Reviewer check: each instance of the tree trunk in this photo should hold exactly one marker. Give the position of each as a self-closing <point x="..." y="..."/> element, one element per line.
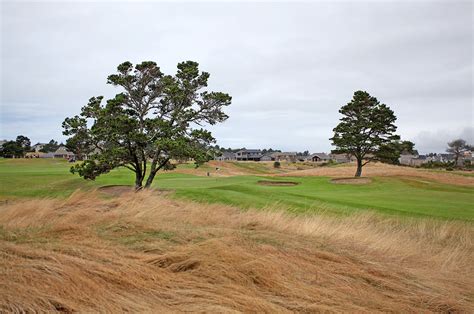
<point x="150" y="178"/>
<point x="153" y="171"/>
<point x="359" y="168"/>
<point x="138" y="181"/>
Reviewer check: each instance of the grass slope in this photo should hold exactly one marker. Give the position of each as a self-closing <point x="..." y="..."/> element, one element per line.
<point x="390" y="195"/>
<point x="144" y="252"/>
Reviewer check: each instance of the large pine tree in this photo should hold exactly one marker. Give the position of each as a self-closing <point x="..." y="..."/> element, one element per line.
<point x="366" y="126"/>
<point x="154" y="119"/>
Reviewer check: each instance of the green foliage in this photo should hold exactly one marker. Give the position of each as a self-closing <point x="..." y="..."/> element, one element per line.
<point x="11" y="149"/>
<point x="24" y="143"/>
<point x="458" y="147"/>
<point x="52" y="146"/>
<point x="390" y="152"/>
<point x="276" y="164"/>
<point x="80" y="143"/>
<point x="155" y="118"/>
<point x="438" y="165"/>
<point x="17" y="148"/>
<point x="366" y="126"/>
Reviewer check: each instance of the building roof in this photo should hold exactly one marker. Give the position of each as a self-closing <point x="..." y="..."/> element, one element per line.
<point x="249" y="151"/>
<point x="227" y="154"/>
<point x="62" y="151"/>
<point x="276" y="154"/>
<point x="320" y="155"/>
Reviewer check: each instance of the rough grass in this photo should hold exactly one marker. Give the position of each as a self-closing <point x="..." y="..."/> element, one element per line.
<point x="143" y="252"/>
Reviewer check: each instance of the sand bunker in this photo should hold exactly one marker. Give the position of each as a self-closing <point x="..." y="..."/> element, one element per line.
<point x="277" y="183"/>
<point x="116" y="190"/>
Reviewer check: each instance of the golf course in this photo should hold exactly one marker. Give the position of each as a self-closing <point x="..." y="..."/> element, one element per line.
<point x="246" y="185"/>
<point x="236" y="237"/>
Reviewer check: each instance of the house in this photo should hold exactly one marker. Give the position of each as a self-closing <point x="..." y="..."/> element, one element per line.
<point x="62" y="152"/>
<point x="467" y="157"/>
<point x="266" y="158"/>
<point x="46" y="155"/>
<point x="445" y="157"/>
<point x="284" y="156"/>
<point x="319" y="157"/>
<point x="34" y="154"/>
<point x="248" y="154"/>
<point x="38" y="146"/>
<point x="226" y="156"/>
<point x="413" y="160"/>
<point x="407" y="159"/>
<point x="341" y="158"/>
<point x="302" y="158"/>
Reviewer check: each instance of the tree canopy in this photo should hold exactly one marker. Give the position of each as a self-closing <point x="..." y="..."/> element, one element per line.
<point x="458" y="147"/>
<point x="366" y="127"/>
<point x="17" y="148"/>
<point x="390" y="152"/>
<point x="51" y="146"/>
<point x="155" y="119"/>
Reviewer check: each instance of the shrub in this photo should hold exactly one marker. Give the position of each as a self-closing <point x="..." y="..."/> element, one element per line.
<point x="438" y="165"/>
<point x="276" y="164"/>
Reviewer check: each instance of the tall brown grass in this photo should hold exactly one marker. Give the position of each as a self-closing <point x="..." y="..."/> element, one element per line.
<point x="144" y="252"/>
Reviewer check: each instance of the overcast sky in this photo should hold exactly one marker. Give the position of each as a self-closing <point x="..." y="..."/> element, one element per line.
<point x="288" y="66"/>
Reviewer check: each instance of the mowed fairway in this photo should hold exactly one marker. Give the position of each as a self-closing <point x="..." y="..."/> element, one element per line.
<point x="393" y="195"/>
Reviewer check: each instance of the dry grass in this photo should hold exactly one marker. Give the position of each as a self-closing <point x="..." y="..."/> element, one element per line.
<point x="384" y="170"/>
<point x="142" y="252"/>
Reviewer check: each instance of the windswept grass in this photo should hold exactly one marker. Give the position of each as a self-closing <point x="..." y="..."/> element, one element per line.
<point x="142" y="251"/>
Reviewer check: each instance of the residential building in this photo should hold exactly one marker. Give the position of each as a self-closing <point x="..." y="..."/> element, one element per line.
<point x="226" y="156"/>
<point x="266" y="158"/>
<point x="284" y="156"/>
<point x="318" y="157"/>
<point x="38" y="146"/>
<point x="62" y="152"/>
<point x="248" y="154"/>
<point x="413" y="160"/>
<point x="341" y="158"/>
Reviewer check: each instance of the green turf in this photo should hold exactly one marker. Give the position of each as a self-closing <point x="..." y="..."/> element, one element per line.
<point x="389" y="195"/>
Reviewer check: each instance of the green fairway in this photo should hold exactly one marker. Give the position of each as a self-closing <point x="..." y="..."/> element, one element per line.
<point x="389" y="195"/>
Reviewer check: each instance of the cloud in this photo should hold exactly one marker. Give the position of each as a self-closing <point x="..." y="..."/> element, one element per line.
<point x="288" y="66"/>
<point x="437" y="141"/>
